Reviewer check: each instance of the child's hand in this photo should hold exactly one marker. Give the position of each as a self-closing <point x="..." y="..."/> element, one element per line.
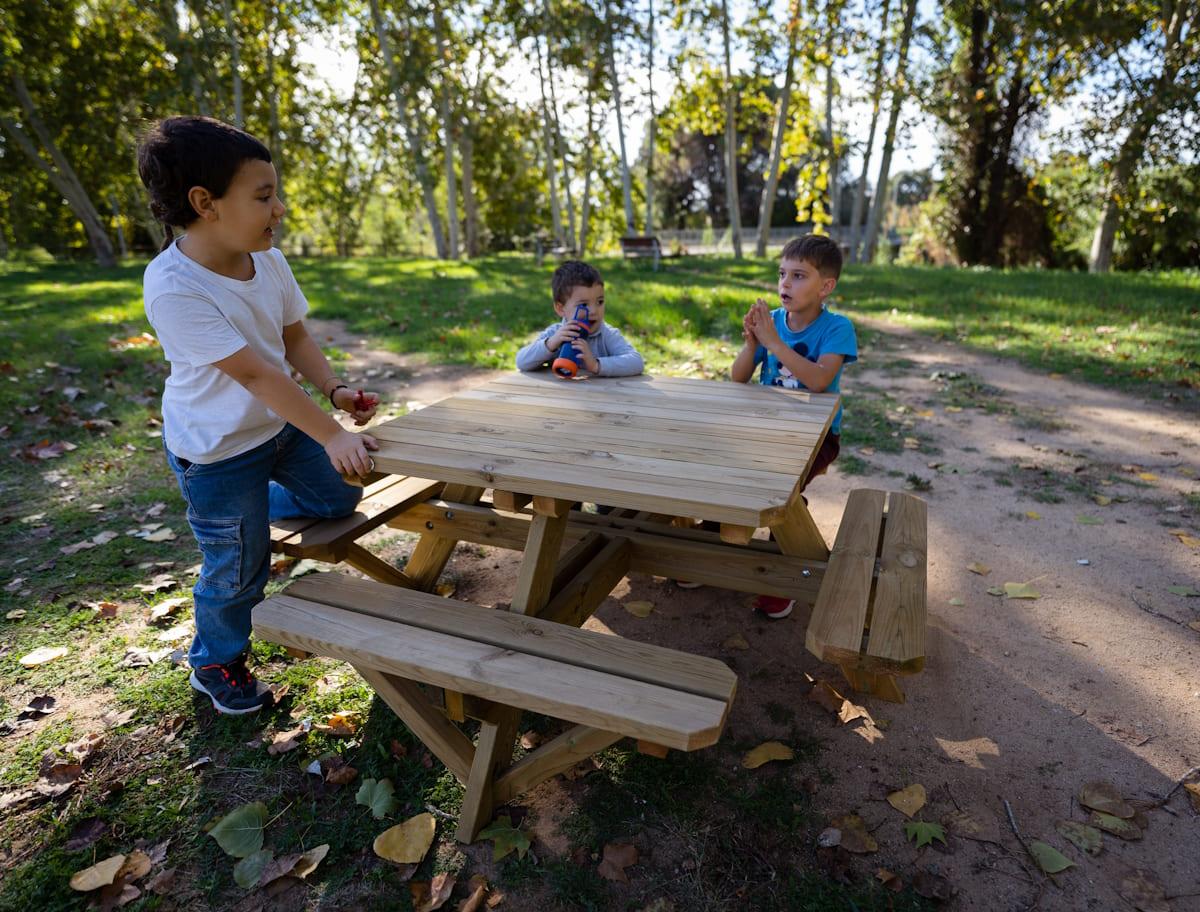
<point x="585" y="353"/>
<point x="347" y="452"/>
<point x="749" y="337"/>
<point x="567" y="332"/>
<point x="762" y="324"/>
<point x="362" y="405"/>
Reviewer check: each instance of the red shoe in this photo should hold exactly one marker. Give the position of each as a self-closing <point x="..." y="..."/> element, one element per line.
<point x="773" y="607"/>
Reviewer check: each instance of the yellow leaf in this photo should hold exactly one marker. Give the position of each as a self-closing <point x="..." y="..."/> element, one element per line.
<point x="407" y="843"/>
<point x="1102" y="500"/>
<point x="1193" y="791"/>
<point x="736" y="641"/>
<point x="1188" y="540"/>
<point x="1032" y="514"/>
<point x="908" y="800"/>
<point x="43" y="655"/>
<point x="1147" y="476"/>
<point x="981" y="569"/>
<point x="638" y="609"/>
<point x="851" y="711"/>
<point x="98" y="875"/>
<point x="954" y="408"/>
<point x="855" y="837"/>
<point x="765" y="753"/>
<point x="1020" y="591"/>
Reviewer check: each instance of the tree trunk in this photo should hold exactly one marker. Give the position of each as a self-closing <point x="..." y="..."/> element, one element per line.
<point x="653" y="124"/>
<point x="551" y="157"/>
<point x="470" y="205"/>
<point x="626" y="184"/>
<point x="179" y="42"/>
<point x="860" y="192"/>
<point x="235" y="63"/>
<point x="116" y="215"/>
<point x="731" y="183"/>
<point x="1123" y="169"/>
<point x="412" y="136"/>
<point x="587" y="177"/>
<point x="447" y="134"/>
<point x="60" y="172"/>
<point x="994" y="220"/>
<point x="559" y="145"/>
<point x="832" y="176"/>
<point x="766" y="205"/>
<point x="273" y="114"/>
<point x="889" y="141"/>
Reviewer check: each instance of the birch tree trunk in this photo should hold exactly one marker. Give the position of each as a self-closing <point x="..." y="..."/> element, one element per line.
<point x="731" y="183"/>
<point x="559" y="145"/>
<point x="1125" y="166"/>
<point x="447" y="135"/>
<point x="551" y="157"/>
<point x="898" y="91"/>
<point x="626" y="185"/>
<point x="653" y="124"/>
<point x="766" y="205"/>
<point x="470" y="205"/>
<point x="587" y="178"/>
<point x="832" y="176"/>
<point x="860" y="192"/>
<point x="412" y="135"/>
<point x="235" y="63"/>
<point x="58" y="170"/>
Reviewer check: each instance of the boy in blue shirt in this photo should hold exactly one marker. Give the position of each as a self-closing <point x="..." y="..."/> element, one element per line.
<point x="800" y="345"/>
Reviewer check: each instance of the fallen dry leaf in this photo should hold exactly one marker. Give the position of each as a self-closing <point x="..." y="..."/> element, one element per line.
<point x="474" y="902"/>
<point x="855" y="837"/>
<point x="168" y="607"/>
<point x="1193" y="792"/>
<point x="765" y="753"/>
<point x="341" y="725"/>
<point x="282" y="742"/>
<point x="1101" y="795"/>
<point x="98" y="875"/>
<point x="638" y="608"/>
<point x="1123" y="829"/>
<point x="137" y="865"/>
<point x="851" y="711"/>
<point x="426" y="897"/>
<point x="735" y="641"/>
<point x="1144" y="891"/>
<point x="826" y="695"/>
<point x="889" y="880"/>
<point x="43" y="655"/>
<point x="981" y="569"/>
<point x="908" y="800"/>
<point x="299" y="864"/>
<point x="407" y="842"/>
<point x="617" y="857"/>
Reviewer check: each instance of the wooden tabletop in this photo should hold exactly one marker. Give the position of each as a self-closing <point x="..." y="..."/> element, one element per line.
<point x="728" y="452"/>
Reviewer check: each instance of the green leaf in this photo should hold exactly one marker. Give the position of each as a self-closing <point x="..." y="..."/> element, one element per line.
<point x="1084" y="520"/>
<point x="1021" y="591"/>
<point x="506" y="838"/>
<point x="247" y="871"/>
<point x="995" y="590"/>
<point x="1049" y="859"/>
<point x="1183" y="590"/>
<point x="240" y="833"/>
<point x="379" y="796"/>
<point x="1125" y="829"/>
<point x="924" y="832"/>
<point x="1083" y="837"/>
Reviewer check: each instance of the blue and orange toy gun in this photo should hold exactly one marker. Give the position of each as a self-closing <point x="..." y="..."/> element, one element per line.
<point x="567" y="364"/>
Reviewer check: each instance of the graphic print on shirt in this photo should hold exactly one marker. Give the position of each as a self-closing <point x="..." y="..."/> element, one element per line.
<point x="786" y="378"/>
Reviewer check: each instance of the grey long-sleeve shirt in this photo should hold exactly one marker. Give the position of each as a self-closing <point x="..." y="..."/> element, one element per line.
<point x="616" y="356"/>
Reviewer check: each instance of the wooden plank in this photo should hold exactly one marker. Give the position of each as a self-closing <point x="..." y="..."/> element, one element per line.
<point x="453" y="702"/>
<point x="510" y="500"/>
<point x="659" y="550"/>
<point x="364" y="561"/>
<point x="553" y="507"/>
<point x="745" y="506"/>
<point x="432" y="552"/>
<point x="501" y="631"/>
<point x="737" y="535"/>
<point x="575" y="602"/>
<point x="495" y="746"/>
<point x="577" y="694"/>
<point x="536" y="575"/>
<point x="553" y="757"/>
<point x="835" y="631"/>
<point x="797" y="534"/>
<point x="407" y="701"/>
<point x="897" y="620"/>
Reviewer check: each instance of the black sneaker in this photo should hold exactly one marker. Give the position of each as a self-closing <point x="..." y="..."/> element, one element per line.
<point x="232" y="688"/>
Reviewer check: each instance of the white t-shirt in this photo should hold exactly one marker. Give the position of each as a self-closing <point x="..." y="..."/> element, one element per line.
<point x="200" y="317"/>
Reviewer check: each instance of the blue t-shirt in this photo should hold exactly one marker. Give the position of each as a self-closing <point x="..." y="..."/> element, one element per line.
<point x="828" y="334"/>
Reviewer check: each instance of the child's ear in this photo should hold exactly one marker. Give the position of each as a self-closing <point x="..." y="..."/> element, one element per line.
<point x="202" y="203"/>
<point x="827" y="286"/>
<point x="560" y="308"/>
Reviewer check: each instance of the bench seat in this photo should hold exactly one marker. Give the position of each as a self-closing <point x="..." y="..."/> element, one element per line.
<point x="869" y="616"/>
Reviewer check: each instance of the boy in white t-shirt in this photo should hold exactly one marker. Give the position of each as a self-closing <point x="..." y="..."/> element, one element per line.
<point x="246" y="443"/>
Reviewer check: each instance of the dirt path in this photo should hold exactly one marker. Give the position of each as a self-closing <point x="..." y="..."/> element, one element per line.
<point x="1021" y="700"/>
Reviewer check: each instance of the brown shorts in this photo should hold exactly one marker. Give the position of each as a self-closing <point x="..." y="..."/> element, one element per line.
<point x="830" y="447"/>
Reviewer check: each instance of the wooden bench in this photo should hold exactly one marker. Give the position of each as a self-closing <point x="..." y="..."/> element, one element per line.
<point x="641" y="248"/>
<point x="869" y="616"/>
<point x="335" y="540"/>
<point x="607" y="686"/>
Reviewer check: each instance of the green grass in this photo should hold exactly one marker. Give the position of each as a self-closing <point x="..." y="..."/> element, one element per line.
<point x="62" y="327"/>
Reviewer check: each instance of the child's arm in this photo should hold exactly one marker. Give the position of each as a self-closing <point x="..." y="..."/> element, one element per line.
<point x="303" y="353"/>
<point x="742" y="368"/>
<point x="347" y="451"/>
<point x="622" y="360"/>
<point x="544" y="349"/>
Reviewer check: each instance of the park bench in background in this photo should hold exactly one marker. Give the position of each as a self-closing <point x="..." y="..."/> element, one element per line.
<point x="609" y="687"/>
<point x="641" y="248"/>
<point x="869" y="617"/>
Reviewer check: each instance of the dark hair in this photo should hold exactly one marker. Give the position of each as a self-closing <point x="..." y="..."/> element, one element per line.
<point x="179" y="153"/>
<point x="823" y="252"/>
<point x="572" y="274"/>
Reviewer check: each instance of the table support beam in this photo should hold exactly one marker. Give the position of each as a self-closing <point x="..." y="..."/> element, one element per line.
<point x="546" y="532"/>
<point x="432" y="552"/>
<point x="554" y="757"/>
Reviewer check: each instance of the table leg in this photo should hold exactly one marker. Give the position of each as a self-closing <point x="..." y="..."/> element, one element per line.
<point x="493" y="753"/>
<point x="798" y="535"/>
<point x="536" y="576"/>
<point x="432" y="551"/>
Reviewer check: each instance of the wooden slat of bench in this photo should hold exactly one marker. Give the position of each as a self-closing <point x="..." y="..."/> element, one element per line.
<point x="381" y="501"/>
<point x="835" y="631"/>
<point x="898" y="614"/>
<point x="284" y="529"/>
<point x="553" y="687"/>
<point x="509" y="631"/>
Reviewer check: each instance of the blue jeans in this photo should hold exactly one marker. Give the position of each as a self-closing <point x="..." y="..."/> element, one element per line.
<point x="231" y="505"/>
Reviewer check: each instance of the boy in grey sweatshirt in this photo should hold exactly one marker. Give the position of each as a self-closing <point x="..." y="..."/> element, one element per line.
<point x="603" y="351"/>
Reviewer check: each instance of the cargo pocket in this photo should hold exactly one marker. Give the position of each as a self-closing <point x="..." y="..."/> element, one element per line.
<point x="220" y="542"/>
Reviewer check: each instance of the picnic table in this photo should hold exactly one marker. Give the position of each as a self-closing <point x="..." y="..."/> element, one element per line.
<point x="653" y="449"/>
